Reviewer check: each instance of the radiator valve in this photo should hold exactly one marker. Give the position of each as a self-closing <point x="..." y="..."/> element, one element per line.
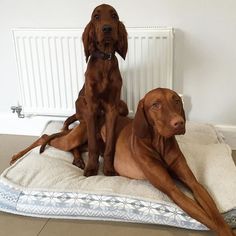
<point x="18" y="110"/>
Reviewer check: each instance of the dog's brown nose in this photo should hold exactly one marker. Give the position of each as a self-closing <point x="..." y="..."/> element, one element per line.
<point x="106" y="28"/>
<point x="177" y="122"/>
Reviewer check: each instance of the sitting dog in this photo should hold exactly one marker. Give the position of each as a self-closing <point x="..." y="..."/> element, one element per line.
<point x="146" y="149"/>
<point x="104" y="35"/>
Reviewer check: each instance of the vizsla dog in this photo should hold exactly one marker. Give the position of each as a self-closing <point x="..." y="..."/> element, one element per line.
<point x="146" y="148"/>
<point x="104" y="35"/>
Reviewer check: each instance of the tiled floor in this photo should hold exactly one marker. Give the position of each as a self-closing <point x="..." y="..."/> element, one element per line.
<point x="28" y="226"/>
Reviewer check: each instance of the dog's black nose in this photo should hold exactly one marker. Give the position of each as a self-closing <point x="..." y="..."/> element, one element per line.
<point x="106" y="29"/>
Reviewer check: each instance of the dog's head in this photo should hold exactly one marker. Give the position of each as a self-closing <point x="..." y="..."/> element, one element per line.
<point x="105" y="32"/>
<point x="160" y="112"/>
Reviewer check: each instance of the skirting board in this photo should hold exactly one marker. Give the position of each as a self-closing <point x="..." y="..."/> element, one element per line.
<point x="33" y="126"/>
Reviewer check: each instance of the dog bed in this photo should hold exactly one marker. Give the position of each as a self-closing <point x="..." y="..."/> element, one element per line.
<point x="48" y="185"/>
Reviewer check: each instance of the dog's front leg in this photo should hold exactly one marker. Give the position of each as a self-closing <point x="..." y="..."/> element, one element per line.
<point x="93" y="149"/>
<point x="181" y="169"/>
<point x="156" y="172"/>
<point x="178" y="165"/>
<point x="110" y="122"/>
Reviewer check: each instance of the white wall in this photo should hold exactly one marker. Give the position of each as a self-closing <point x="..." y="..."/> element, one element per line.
<point x="205" y="54"/>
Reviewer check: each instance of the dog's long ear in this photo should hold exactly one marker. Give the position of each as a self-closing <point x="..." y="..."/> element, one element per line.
<point x="122" y="45"/>
<point x="88" y="38"/>
<point x="183" y="112"/>
<point x="140" y="123"/>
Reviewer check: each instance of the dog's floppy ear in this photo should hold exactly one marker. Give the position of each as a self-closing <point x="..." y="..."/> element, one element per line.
<point x="183" y="112"/>
<point x="88" y="38"/>
<point x="140" y="123"/>
<point x="122" y="45"/>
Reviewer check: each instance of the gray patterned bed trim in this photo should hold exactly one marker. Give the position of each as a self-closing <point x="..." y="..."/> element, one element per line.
<point x="72" y="205"/>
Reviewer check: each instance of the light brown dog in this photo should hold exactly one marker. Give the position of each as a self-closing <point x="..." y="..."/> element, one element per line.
<point x="146" y="148"/>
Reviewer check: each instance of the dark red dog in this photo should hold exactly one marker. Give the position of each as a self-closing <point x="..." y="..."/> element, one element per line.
<point x="102" y="37"/>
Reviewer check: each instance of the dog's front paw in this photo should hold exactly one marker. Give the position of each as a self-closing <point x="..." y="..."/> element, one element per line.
<point x="90" y="172"/>
<point x="91" y="169"/>
<point x="109" y="170"/>
<point x="109" y="173"/>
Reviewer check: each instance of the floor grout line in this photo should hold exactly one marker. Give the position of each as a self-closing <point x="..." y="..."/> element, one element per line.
<point x="43" y="227"/>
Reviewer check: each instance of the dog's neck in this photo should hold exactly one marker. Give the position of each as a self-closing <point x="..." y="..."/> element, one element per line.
<point x="102" y="55"/>
<point x="161" y="143"/>
<point x="104" y="51"/>
<point x="154" y="141"/>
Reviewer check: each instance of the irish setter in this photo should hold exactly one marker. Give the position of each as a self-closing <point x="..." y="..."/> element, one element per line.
<point x="104" y="35"/>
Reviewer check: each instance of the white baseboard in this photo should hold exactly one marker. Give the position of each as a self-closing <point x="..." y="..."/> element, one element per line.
<point x="229" y="133"/>
<point x="33" y="126"/>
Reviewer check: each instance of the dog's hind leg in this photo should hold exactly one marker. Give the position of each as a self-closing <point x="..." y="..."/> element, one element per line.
<point x="38" y="142"/>
<point x="67" y="140"/>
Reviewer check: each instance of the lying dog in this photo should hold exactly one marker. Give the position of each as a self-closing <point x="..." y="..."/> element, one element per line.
<point x="146" y="148"/>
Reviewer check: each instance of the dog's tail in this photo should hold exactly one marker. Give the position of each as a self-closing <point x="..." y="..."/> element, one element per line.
<point x="50" y="138"/>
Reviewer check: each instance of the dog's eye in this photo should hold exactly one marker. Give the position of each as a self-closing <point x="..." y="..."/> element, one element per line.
<point x="156" y="105"/>
<point x="114" y="16"/>
<point x="177" y="101"/>
<point x="97" y="17"/>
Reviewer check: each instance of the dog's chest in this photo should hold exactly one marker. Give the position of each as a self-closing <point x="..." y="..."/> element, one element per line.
<point x="105" y="83"/>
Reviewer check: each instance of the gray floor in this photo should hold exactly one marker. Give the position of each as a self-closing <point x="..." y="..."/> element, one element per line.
<point x="19" y="225"/>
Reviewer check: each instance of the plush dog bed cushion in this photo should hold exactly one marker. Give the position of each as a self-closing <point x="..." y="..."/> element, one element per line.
<point x="48" y="185"/>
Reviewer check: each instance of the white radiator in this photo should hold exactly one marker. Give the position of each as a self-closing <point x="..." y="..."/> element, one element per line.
<point x="51" y="66"/>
